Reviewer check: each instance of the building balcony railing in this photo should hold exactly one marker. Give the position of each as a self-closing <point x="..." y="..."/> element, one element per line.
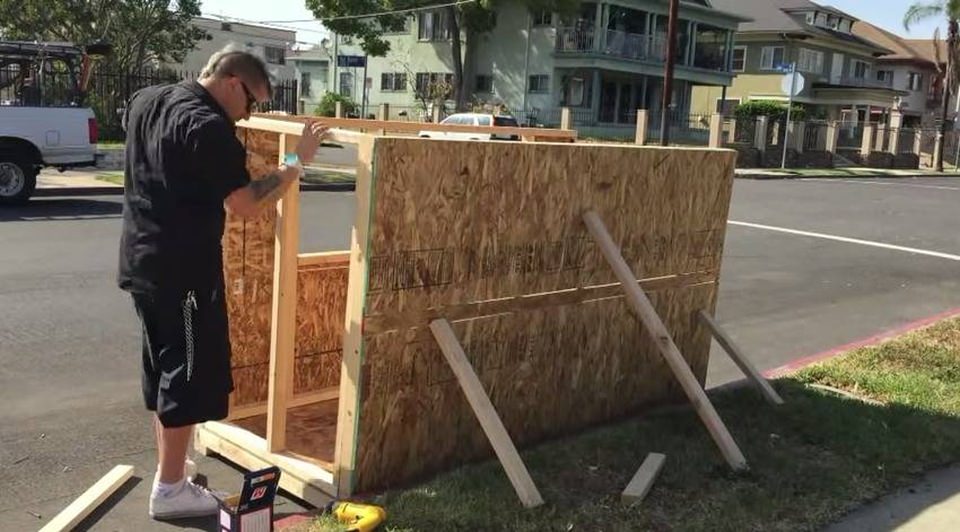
<point x="615" y="43"/>
<point x="575" y="40"/>
<point x="635" y="46"/>
<point x="865" y="83"/>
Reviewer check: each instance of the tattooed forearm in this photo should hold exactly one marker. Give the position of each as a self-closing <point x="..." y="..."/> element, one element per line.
<point x="270" y="187"/>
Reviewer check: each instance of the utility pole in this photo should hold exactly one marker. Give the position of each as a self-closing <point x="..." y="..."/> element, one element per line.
<point x="668" y="73"/>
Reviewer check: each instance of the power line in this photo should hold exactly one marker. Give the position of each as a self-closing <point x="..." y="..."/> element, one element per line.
<point x="372" y="15"/>
<point x="226" y="18"/>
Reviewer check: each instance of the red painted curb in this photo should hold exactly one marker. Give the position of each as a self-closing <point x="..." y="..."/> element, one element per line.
<point x="294" y="519"/>
<point x="803" y="362"/>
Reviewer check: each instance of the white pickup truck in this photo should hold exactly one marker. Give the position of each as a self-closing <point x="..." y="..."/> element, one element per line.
<point x="35" y="137"/>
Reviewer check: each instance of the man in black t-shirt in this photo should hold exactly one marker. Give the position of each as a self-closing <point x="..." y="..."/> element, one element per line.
<point x="184" y="164"/>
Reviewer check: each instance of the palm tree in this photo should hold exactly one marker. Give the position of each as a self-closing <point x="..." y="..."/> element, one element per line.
<point x="951" y="10"/>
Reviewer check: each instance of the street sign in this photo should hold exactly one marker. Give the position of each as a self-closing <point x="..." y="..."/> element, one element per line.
<point x="797" y="84"/>
<point x="351" y="61"/>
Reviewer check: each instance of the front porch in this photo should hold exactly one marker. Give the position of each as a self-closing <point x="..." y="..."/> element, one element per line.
<point x="604" y="103"/>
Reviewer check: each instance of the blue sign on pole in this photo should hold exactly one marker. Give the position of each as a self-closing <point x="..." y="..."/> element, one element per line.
<point x="351" y="61"/>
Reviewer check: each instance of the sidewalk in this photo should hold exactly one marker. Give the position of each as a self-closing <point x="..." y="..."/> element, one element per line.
<point x="852" y="172"/>
<point x="931" y="504"/>
<point x="50" y="182"/>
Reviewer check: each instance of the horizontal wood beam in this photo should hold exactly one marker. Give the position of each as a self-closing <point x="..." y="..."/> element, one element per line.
<point x="643" y="479"/>
<point x="273" y="124"/>
<point x="326" y="258"/>
<point x="86" y="503"/>
<point x="304" y="399"/>
<point x="420" y="318"/>
<point x="295" y="128"/>
<point x="306" y="479"/>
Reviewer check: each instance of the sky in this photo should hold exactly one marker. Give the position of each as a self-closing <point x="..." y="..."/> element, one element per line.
<point x="887" y="14"/>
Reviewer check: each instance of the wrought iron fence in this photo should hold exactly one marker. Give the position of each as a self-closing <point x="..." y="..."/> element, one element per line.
<point x="849" y="135"/>
<point x="776" y="131"/>
<point x="684" y="128"/>
<point x="815" y="135"/>
<point x="907" y="138"/>
<point x="745" y="131"/>
<point x="108" y="92"/>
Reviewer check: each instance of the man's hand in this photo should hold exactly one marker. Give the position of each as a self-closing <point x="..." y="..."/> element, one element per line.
<point x="313" y="134"/>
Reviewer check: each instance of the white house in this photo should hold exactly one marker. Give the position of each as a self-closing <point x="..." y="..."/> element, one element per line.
<point x="271" y="44"/>
<point x="313" y="71"/>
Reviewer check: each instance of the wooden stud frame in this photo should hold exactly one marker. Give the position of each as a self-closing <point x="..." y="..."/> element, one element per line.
<point x="491" y="241"/>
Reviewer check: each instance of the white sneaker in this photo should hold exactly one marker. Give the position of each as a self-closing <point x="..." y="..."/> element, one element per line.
<point x="188" y="500"/>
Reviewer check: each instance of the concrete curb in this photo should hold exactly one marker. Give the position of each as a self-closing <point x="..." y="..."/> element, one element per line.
<point x="879" y="338"/>
<point x="762" y="177"/>
<point x="48" y="192"/>
<point x="62" y="192"/>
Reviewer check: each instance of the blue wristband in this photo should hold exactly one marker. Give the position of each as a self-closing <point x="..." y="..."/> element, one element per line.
<point x="291" y="159"/>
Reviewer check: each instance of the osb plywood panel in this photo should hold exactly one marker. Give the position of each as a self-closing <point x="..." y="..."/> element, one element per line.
<point x="548" y="372"/>
<point x="311" y="430"/>
<point x="248" y="270"/>
<point x="454" y="225"/>
<point x="321" y="304"/>
<point x="248" y="264"/>
<point x="451" y="226"/>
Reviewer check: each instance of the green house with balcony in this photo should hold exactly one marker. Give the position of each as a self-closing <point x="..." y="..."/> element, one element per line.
<point x="604" y="62"/>
<point x="842" y="80"/>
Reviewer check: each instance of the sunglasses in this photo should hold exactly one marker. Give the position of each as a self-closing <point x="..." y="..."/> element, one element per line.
<point x="252" y="104"/>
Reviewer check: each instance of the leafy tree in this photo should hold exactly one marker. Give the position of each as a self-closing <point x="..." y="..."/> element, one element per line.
<point x="466" y="21"/>
<point x="140" y="31"/>
<point x="950" y="10"/>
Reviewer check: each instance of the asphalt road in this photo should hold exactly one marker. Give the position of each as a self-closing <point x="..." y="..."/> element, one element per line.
<point x="69" y="342"/>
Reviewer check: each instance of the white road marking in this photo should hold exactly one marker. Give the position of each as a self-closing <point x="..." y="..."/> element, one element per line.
<point x="855" y="182"/>
<point x="848" y="240"/>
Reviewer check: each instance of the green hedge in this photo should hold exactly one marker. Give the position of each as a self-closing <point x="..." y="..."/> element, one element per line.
<point x="328" y="105"/>
<point x="772" y="109"/>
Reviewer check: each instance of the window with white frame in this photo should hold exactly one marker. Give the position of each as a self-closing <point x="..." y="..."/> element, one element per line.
<point x="305" y="84"/>
<point x="727" y="107"/>
<point x="771" y="57"/>
<point x="274" y="55"/>
<point x="433" y="26"/>
<point x="484" y="83"/>
<point x="539" y="83"/>
<point x="542" y="18"/>
<point x="739" y="58"/>
<point x="810" y="61"/>
<point x="434" y="84"/>
<point x="346" y="84"/>
<point x="860" y="69"/>
<point x="915" y="81"/>
<point x="393" y="82"/>
<point x="885" y="75"/>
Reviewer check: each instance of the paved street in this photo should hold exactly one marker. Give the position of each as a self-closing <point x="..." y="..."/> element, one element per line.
<point x="884" y="253"/>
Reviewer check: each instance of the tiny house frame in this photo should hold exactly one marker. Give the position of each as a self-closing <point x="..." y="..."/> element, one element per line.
<point x="345" y="363"/>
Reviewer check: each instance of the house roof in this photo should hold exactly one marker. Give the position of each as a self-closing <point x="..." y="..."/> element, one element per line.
<point x="901" y="49"/>
<point x="309" y="55"/>
<point x="925" y="49"/>
<point x="779" y="16"/>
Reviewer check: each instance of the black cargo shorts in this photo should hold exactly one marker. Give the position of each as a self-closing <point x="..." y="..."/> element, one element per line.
<point x="186" y="355"/>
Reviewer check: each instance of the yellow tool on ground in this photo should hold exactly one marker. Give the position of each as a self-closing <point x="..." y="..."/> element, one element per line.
<point x="358" y="517"/>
